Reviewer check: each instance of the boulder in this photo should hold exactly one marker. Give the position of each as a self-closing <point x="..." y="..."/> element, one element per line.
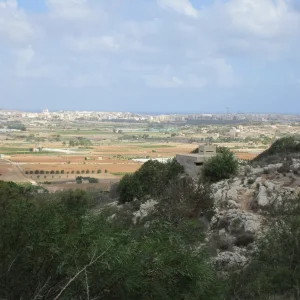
<point x="262" y="197"/>
<point x="233" y="204"/>
<point x="236" y="222"/>
<point x="227" y="261"/>
<point x="232" y="194"/>
<point x="145" y="209"/>
<point x="271" y="186"/>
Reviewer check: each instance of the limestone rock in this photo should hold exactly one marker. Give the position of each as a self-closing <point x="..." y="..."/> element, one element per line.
<point x="262" y="197"/>
<point x="233" y="204"/>
<point x="230" y="261"/>
<point x="236" y="221"/>
<point x="232" y="194"/>
<point x="145" y="209"/>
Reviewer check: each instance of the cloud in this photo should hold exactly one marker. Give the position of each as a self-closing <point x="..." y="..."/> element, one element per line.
<point x="162" y="46"/>
<point x="93" y="44"/>
<point x="14" y="25"/>
<point x="264" y="18"/>
<point x="180" y="6"/>
<point x="70" y="10"/>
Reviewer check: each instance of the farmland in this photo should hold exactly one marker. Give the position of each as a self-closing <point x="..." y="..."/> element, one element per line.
<point x="105" y="150"/>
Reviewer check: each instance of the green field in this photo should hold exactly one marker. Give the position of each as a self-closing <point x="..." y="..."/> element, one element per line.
<point x="12" y="149"/>
<point x="82" y="132"/>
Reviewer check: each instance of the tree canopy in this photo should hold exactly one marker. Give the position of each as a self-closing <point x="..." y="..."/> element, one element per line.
<point x="151" y="179"/>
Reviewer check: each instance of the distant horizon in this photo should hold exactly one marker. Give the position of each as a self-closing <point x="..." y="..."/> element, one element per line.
<point x="152" y="112"/>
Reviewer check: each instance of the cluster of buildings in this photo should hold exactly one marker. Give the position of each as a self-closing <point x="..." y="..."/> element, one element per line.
<point x="135" y="117"/>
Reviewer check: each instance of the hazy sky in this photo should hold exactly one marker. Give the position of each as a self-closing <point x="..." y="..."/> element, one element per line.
<point x="150" y="55"/>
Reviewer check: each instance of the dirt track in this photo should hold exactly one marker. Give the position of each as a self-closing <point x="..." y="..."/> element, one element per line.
<point x="11" y="172"/>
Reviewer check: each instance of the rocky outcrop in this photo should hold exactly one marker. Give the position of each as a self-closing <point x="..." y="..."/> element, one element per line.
<point x="230" y="260"/>
<point x="145" y="209"/>
<point x="242" y="204"/>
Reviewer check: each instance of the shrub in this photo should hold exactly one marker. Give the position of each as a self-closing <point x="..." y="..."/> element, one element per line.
<point x="52" y="172"/>
<point x="99" y="171"/>
<point x="56" y="172"/>
<point x="151" y="179"/>
<point x="26" y="172"/>
<point x="251" y="181"/>
<point x="53" y="242"/>
<point x="222" y="166"/>
<point x="282" y="148"/>
<point x="42" y="172"/>
<point x="36" y="172"/>
<point x="183" y="199"/>
<point x="62" y="172"/>
<point x="87" y="171"/>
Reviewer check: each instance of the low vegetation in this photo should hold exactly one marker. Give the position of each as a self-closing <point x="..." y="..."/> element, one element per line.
<point x="222" y="166"/>
<point x="79" y="179"/>
<point x="150" y="180"/>
<point x="53" y="248"/>
<point x="283" y="148"/>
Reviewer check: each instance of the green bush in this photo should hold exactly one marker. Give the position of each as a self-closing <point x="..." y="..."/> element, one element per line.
<point x="222" y="166"/>
<point x="287" y="147"/>
<point x="151" y="179"/>
<point x="183" y="199"/>
<point x="56" y="249"/>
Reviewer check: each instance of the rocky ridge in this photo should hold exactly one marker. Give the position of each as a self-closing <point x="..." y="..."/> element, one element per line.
<point x="241" y="209"/>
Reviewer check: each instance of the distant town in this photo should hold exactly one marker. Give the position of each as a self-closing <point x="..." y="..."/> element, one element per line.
<point x="48" y="116"/>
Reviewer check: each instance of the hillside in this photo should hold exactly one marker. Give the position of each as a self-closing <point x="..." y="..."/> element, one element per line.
<point x="284" y="148"/>
<point x="171" y="237"/>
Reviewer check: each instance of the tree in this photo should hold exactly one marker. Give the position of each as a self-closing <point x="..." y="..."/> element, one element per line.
<point x="62" y="172"/>
<point x="36" y="172"/>
<point x="42" y="172"/>
<point x="151" y="179"/>
<point x="52" y="172"/>
<point x="56" y="172"/>
<point x="99" y="171"/>
<point x="222" y="166"/>
<point x="87" y="171"/>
